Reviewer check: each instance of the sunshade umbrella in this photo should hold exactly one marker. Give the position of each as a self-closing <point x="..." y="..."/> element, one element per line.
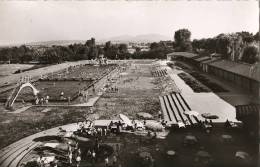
<point x="190" y="139"/>
<point x="209" y="116"/>
<point x="144" y="154"/>
<point x="144" y="115"/>
<point x="171" y="152"/>
<point x="226" y="136"/>
<point x="203" y="154"/>
<point x="192" y="113"/>
<point x="82" y="139"/>
<point x="153" y="125"/>
<point x="242" y="155"/>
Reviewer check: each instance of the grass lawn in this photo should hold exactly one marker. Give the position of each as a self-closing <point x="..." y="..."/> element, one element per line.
<point x="138" y="92"/>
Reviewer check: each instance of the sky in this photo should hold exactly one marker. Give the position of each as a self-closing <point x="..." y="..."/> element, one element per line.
<point x="27" y="21"/>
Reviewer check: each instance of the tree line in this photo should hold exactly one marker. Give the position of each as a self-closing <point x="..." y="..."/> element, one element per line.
<point x="240" y="46"/>
<point x="58" y="54"/>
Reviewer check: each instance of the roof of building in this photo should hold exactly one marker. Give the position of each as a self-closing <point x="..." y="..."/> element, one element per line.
<point x="247" y="110"/>
<point x="211" y="60"/>
<point x="204" y="58"/>
<point x="242" y="69"/>
<point x="183" y="54"/>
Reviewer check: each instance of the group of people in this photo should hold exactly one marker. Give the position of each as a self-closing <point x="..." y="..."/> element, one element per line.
<point x="88" y="128"/>
<point x="42" y="100"/>
<point x="113" y="89"/>
<point x="74" y="154"/>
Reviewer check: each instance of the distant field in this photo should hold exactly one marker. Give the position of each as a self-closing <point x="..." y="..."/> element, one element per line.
<point x="8" y="69"/>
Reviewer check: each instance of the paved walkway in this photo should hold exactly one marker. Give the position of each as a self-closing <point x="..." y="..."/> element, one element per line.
<point x="91" y="102"/>
<point x="20" y="110"/>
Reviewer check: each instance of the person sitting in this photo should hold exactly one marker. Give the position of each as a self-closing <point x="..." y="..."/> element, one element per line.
<point x="163" y="123"/>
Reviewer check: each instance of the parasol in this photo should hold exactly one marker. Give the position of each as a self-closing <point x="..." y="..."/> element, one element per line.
<point x="209" y="116"/>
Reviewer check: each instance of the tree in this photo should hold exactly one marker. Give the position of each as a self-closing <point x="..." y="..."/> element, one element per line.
<point x="246" y="36"/>
<point x="257" y="36"/>
<point x="154" y="45"/>
<point x="182" y="40"/>
<point x="250" y="54"/>
<point x="51" y="56"/>
<point x="122" y="48"/>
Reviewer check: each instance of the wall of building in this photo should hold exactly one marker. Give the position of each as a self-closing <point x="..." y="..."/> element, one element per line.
<point x="238" y="80"/>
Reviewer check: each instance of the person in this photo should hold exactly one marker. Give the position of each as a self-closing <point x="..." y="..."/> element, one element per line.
<point x="98" y="131"/>
<point x="70" y="148"/>
<point x="37" y="101"/>
<point x="70" y="157"/>
<point x="206" y="121"/>
<point x="55" y="165"/>
<point x="149" y="133"/>
<point x="163" y="123"/>
<point x="79" y="151"/>
<point x="93" y="155"/>
<point x="105" y="131"/>
<point x="114" y="160"/>
<point x="95" y="132"/>
<point x="88" y="153"/>
<point x="160" y="114"/>
<point x="155" y="135"/>
<point x="77" y="145"/>
<point x="78" y="159"/>
<point x="227" y="124"/>
<point x="106" y="161"/>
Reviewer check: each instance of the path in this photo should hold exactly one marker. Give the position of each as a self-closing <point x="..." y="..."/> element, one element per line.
<point x="91" y="102"/>
<point x="20" y="110"/>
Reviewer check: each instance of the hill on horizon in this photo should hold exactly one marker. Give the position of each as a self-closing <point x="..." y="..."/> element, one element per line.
<point x="144" y="38"/>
